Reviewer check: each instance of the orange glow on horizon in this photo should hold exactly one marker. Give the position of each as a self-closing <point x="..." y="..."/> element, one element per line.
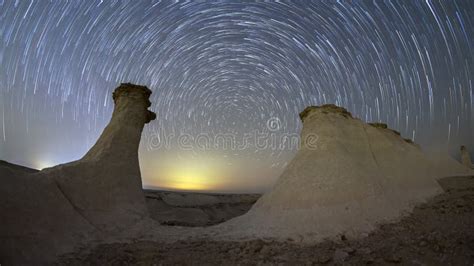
<point x="189" y="175"/>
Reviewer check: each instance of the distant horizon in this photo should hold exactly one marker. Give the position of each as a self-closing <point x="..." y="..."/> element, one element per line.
<point x="455" y="154"/>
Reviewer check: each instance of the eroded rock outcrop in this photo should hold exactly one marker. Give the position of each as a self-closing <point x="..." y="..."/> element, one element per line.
<point x="105" y="185"/>
<point x="49" y="212"/>
<point x="347" y="177"/>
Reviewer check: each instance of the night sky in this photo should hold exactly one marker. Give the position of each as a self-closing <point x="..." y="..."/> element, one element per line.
<point x="229" y="68"/>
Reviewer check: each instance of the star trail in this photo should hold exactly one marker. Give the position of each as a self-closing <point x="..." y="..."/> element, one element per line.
<point x="229" y="67"/>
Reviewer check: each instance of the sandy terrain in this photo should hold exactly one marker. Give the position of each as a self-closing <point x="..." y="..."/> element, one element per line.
<point x="439" y="232"/>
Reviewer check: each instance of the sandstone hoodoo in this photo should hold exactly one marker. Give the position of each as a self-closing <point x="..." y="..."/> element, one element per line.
<point x="105" y="185"/>
<point x="53" y="210"/>
<point x="347" y="177"/>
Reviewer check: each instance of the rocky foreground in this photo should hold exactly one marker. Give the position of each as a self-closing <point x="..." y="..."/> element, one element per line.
<point x="439" y="232"/>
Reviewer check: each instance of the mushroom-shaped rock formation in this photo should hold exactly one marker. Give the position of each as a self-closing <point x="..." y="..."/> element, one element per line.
<point x="347" y="177"/>
<point x="105" y="185"/>
<point x="50" y="212"/>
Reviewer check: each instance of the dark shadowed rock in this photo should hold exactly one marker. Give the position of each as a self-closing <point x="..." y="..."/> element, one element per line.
<point x="325" y="109"/>
<point x="16" y="167"/>
<point x="466" y="158"/>
<point x="379" y="125"/>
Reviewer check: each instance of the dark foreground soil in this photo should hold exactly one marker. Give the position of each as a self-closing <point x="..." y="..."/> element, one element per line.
<point x="440" y="232"/>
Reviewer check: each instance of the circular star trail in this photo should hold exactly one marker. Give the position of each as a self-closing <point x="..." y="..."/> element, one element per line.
<point x="229" y="68"/>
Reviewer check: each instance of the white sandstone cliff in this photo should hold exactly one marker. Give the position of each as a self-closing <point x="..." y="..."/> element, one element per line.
<point x="347" y="177"/>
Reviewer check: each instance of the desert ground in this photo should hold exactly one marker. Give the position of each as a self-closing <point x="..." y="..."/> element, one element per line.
<point x="438" y="232"/>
